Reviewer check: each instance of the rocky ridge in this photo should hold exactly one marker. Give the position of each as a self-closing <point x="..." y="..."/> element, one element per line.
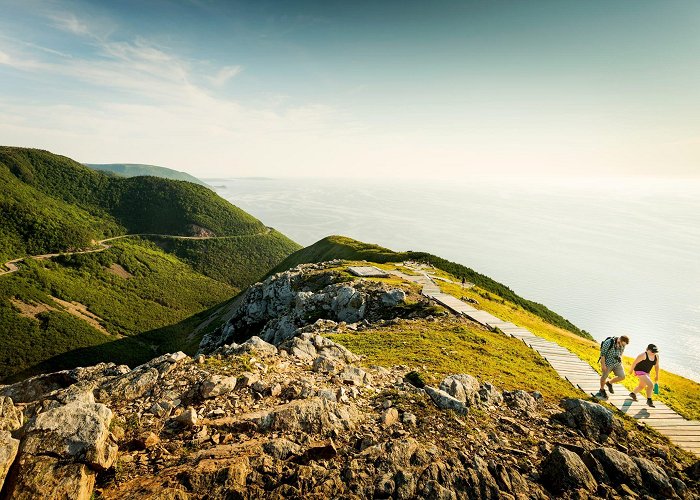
<point x="305" y="419"/>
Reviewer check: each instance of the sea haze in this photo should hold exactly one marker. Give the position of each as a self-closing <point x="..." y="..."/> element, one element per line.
<point x="614" y="257"/>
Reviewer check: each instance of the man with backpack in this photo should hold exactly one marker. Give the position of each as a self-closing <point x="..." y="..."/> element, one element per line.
<point x="611" y="350"/>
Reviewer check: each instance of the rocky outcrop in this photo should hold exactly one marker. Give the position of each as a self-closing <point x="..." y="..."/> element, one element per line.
<point x="62" y="450"/>
<point x="592" y="420"/>
<point x="563" y="471"/>
<point x="282" y="306"/>
<point x="305" y="419"/>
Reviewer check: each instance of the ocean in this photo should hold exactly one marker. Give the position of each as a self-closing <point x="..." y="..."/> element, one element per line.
<point x="614" y="257"/>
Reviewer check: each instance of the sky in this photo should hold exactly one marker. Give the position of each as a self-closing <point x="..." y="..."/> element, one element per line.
<point x="440" y="89"/>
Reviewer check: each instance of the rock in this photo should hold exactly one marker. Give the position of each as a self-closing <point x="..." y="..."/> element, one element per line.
<point x="200" y="359"/>
<point x="131" y="385"/>
<point x="325" y="364"/>
<point x="277" y="330"/>
<point x="414" y="378"/>
<point x="275" y="390"/>
<point x="352" y="375"/>
<point x="188" y="417"/>
<point x="147" y="440"/>
<point x="77" y="432"/>
<point x="385" y="487"/>
<point x="49" y="477"/>
<point x="520" y="400"/>
<point x="349" y="304"/>
<point x="409" y="419"/>
<point x="446" y="402"/>
<point x="11" y="418"/>
<point x="217" y="385"/>
<point x="313" y="415"/>
<point x="462" y="387"/>
<point x="393" y="298"/>
<point x="8" y="452"/>
<point x="591" y="419"/>
<point x="256" y="345"/>
<point x="693" y="471"/>
<point x="323" y="450"/>
<point x="247" y="379"/>
<point x="564" y="471"/>
<point x="389" y="417"/>
<point x="654" y="477"/>
<point x="281" y="448"/>
<point x="614" y="467"/>
<point x="489" y="394"/>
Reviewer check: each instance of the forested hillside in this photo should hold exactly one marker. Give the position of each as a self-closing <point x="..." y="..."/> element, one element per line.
<point x="51" y="203"/>
<point x="140" y="170"/>
<point x="130" y="301"/>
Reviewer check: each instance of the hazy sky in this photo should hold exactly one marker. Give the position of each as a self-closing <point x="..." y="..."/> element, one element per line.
<point x="343" y="88"/>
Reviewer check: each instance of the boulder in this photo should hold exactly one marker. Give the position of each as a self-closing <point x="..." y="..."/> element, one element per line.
<point x="489" y="394"/>
<point x="277" y="330"/>
<point x="446" y="402"/>
<point x="462" y="387"/>
<point x="591" y="419"/>
<point x="188" y="418"/>
<point x="217" y="385"/>
<point x="50" y="477"/>
<point x="393" y="297"/>
<point x="256" y="345"/>
<point x="11" y="417"/>
<point x="654" y="477"/>
<point x="314" y="416"/>
<point x="352" y="375"/>
<point x="389" y="417"/>
<point x="77" y="432"/>
<point x="520" y="400"/>
<point x="129" y="386"/>
<point x="613" y="467"/>
<point x="281" y="448"/>
<point x="349" y="304"/>
<point x="8" y="452"/>
<point x="563" y="470"/>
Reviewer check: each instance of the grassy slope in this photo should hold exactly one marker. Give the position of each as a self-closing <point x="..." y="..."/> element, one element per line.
<point x="339" y="247"/>
<point x="163" y="292"/>
<point x="140" y="170"/>
<point x="454" y="346"/>
<point x="238" y="261"/>
<point x="680" y="393"/>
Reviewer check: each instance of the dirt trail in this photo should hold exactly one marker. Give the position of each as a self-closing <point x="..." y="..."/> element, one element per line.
<point x="12" y="267"/>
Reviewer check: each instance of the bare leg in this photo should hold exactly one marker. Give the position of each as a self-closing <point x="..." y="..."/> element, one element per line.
<point x="617" y="379"/>
<point x="649" y="385"/>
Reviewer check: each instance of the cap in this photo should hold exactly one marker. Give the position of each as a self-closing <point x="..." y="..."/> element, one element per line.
<point x="652" y="348"/>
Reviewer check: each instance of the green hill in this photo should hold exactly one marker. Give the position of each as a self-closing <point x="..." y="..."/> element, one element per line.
<point x="50" y="203"/>
<point x="340" y="247"/>
<point x="138" y="297"/>
<point x="140" y="170"/>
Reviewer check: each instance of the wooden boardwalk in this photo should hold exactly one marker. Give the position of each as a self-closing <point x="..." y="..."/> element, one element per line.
<point x="684" y="433"/>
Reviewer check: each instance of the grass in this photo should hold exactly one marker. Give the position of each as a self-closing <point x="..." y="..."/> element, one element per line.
<point x="340" y="247"/>
<point x="680" y="393"/>
<point x="152" y="310"/>
<point x="448" y="346"/>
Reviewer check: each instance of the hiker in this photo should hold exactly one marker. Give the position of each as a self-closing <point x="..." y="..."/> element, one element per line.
<point x="642" y="368"/>
<point x="464" y="281"/>
<point x="611" y="350"/>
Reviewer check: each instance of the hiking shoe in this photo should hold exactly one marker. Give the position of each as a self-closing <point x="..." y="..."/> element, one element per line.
<point x="650" y="403"/>
<point x="610" y="387"/>
<point x="633" y="396"/>
<point x="601" y="394"/>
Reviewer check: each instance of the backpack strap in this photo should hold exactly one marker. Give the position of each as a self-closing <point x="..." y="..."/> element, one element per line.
<point x="610" y="344"/>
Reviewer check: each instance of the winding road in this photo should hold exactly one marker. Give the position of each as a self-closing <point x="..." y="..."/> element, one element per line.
<point x="12" y="266"/>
